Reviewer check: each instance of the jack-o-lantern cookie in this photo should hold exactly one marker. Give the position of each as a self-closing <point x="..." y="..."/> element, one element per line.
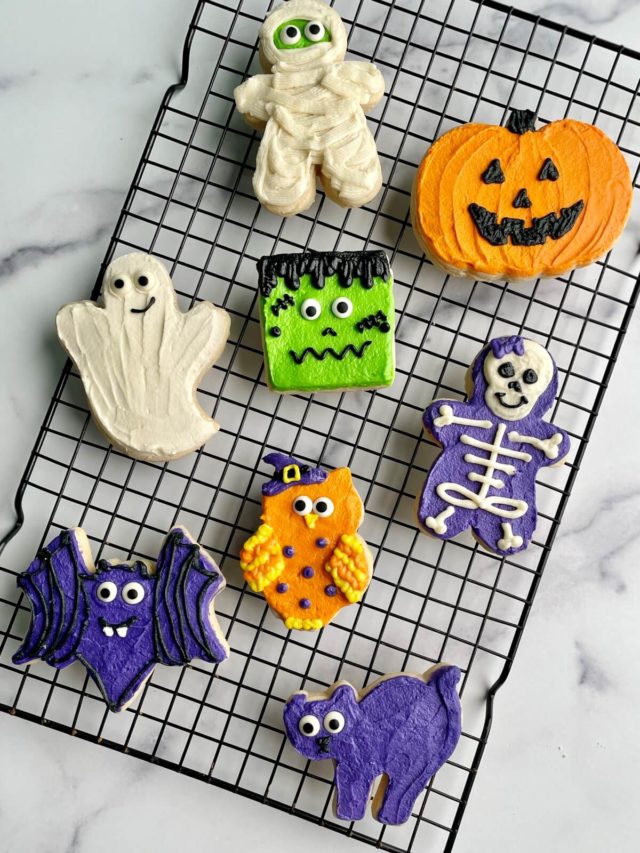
<point x="306" y="557"/>
<point x="515" y="202"/>
<point x="492" y="448"/>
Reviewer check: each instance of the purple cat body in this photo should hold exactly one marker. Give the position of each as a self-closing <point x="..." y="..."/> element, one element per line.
<point x="403" y="726"/>
<point x="120" y="620"/>
<point x="492" y="448"/>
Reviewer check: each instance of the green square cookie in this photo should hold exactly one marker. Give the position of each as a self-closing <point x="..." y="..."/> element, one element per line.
<point x="327" y="321"/>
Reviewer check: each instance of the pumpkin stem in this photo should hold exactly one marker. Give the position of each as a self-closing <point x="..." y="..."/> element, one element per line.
<point x="521" y="121"/>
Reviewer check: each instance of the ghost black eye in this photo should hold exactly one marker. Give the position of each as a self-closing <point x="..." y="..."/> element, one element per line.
<point x="506" y="370"/>
<point x="118" y="283"/>
<point x="143" y="281"/>
<point x="530" y="376"/>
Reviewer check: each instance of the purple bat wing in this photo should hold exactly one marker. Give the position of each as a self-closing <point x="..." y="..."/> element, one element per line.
<point x="58" y="606"/>
<point x="187" y="582"/>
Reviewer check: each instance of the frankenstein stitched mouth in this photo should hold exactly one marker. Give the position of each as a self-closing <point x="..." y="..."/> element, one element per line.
<point x="121" y="628"/>
<point x="552" y="226"/>
<point x="523" y="402"/>
<point x="146" y="307"/>
<point x="358" y="352"/>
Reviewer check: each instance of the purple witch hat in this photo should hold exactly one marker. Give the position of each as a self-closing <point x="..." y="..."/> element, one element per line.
<point x="289" y="472"/>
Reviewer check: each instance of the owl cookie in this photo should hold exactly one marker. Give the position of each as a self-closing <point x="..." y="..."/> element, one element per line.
<point x="310" y="104"/>
<point x="492" y="448"/>
<point x="306" y="557"/>
<point x="119" y="619"/>
<point x="402" y="727"/>
<point x="327" y="321"/>
<point x="141" y="359"/>
<point x="516" y="203"/>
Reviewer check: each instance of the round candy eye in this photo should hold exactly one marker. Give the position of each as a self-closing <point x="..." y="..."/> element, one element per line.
<point x="107" y="591"/>
<point x="506" y="370"/>
<point x="342" y="307"/>
<point x="119" y="285"/>
<point x="323" y="507"/>
<point x="143" y="280"/>
<point x="334" y="722"/>
<point x="314" y="31"/>
<point x="310" y="309"/>
<point x="133" y="592"/>
<point x="290" y="35"/>
<point x="302" y="505"/>
<point x="309" y="726"/>
<point x="530" y="376"/>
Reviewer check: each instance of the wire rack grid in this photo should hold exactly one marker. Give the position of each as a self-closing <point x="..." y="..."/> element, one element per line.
<point x="191" y="203"/>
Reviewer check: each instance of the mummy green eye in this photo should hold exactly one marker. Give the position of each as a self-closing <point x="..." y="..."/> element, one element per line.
<point x="314" y="31"/>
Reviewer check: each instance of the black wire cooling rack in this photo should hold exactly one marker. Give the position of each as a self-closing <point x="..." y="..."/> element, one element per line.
<point x="445" y="62"/>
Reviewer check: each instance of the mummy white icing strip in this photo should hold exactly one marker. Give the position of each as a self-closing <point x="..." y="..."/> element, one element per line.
<point x="141" y="359"/>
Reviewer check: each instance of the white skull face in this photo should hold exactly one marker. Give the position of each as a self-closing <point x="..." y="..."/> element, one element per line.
<point x="514" y="382"/>
<point x="319" y="18"/>
<point x="138" y="285"/>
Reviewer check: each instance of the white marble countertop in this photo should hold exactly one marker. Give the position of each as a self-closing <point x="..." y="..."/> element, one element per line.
<point x="79" y="85"/>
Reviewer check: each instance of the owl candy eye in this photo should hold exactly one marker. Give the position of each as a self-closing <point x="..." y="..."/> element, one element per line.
<point x="334" y="722"/>
<point x="342" y="307"/>
<point x="133" y="592"/>
<point x="302" y="505"/>
<point x="309" y="725"/>
<point x="506" y="370"/>
<point x="323" y="507"/>
<point x="107" y="591"/>
<point x="314" y="31"/>
<point x="310" y="309"/>
<point x="290" y="35"/>
<point x="530" y="376"/>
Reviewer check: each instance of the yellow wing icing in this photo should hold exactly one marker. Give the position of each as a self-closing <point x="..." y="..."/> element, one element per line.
<point x="261" y="558"/>
<point x="349" y="567"/>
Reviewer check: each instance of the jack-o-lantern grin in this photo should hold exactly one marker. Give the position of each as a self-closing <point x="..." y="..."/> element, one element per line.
<point x="552" y="226"/>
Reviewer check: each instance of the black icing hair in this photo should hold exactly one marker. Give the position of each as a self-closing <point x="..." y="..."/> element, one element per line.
<point x="365" y="266"/>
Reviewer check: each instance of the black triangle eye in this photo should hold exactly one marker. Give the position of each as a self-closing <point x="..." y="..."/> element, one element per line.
<point x="548" y="172"/>
<point x="493" y="174"/>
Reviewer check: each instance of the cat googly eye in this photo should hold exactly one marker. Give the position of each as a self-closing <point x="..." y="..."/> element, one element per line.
<point x="506" y="370"/>
<point x="333" y="722"/>
<point x="290" y="35"/>
<point x="106" y="591"/>
<point x="342" y="307"/>
<point x="302" y="505"/>
<point x="314" y="31"/>
<point x="323" y="507"/>
<point x="309" y="726"/>
<point x="133" y="592"/>
<point x="529" y="376"/>
<point x="310" y="309"/>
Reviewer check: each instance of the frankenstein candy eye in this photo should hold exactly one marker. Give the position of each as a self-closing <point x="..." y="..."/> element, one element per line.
<point x="107" y="591"/>
<point x="290" y="35"/>
<point x="334" y="722"/>
<point x="323" y="507"/>
<point x="314" y="31"/>
<point x="310" y="309"/>
<point x="342" y="307"/>
<point x="309" y="726"/>
<point x="530" y="376"/>
<point x="506" y="370"/>
<point x="302" y="505"/>
<point x="133" y="592"/>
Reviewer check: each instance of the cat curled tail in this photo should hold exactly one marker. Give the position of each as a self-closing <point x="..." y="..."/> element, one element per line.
<point x="402" y="727"/>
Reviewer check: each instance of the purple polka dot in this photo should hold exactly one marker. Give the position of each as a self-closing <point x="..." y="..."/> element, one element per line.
<point x="282" y="587"/>
<point x="322" y="542"/>
<point x="288" y="550"/>
<point x="304" y="603"/>
<point x="308" y="572"/>
<point x="331" y="590"/>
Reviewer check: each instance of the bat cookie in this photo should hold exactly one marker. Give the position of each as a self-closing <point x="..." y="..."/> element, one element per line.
<point x="120" y="619"/>
<point x="306" y="557"/>
<point x="311" y="105"/>
<point x="327" y="321"/>
<point x="141" y="359"/>
<point x="492" y="448"/>
<point x="402" y="727"/>
<point x="516" y="203"/>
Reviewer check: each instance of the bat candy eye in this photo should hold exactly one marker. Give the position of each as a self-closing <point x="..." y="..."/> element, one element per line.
<point x="309" y="726"/>
<point x="290" y="35"/>
<point x="530" y="376"/>
<point x="107" y="591"/>
<point x="314" y="31"/>
<point x="342" y="307"/>
<point x="334" y="722"/>
<point x="133" y="592"/>
<point x="310" y="309"/>
<point x="323" y="507"/>
<point x="302" y="505"/>
<point x="506" y="370"/>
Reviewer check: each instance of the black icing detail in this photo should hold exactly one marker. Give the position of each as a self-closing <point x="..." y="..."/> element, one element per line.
<point x="378" y="319"/>
<point x="493" y="174"/>
<point x="275" y="331"/>
<point x="323" y="743"/>
<point x="365" y="266"/>
<point x="553" y="226"/>
<point x="282" y="303"/>
<point x="523" y="402"/>
<point x="507" y="370"/>
<point x="530" y="376"/>
<point x="521" y="121"/>
<point x="146" y="307"/>
<point x="320" y="356"/>
<point x="548" y="172"/>
<point x="104" y="624"/>
<point x="329" y="331"/>
<point x="522" y="199"/>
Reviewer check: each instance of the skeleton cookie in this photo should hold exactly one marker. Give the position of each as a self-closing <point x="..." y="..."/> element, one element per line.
<point x="492" y="448"/>
<point x="141" y="359"/>
<point x="311" y="106"/>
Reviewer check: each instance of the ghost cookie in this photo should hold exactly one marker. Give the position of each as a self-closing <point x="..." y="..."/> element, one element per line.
<point x="141" y="359"/>
<point x="119" y="619"/>
<point x="327" y="321"/>
<point x="516" y="203"/>
<point x="311" y="105"/>
<point x="402" y="727"/>
<point x="306" y="557"/>
<point x="492" y="448"/>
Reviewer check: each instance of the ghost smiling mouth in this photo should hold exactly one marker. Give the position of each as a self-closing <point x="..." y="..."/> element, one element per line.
<point x="358" y="352"/>
<point x="146" y="307"/>
<point x="553" y="226"/>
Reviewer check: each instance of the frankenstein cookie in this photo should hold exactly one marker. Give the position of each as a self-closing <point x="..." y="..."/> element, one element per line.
<point x="492" y="448"/>
<point x="306" y="557"/>
<point x="327" y="321"/>
<point x="403" y="726"/>
<point x="515" y="202"/>
<point x="311" y="105"/>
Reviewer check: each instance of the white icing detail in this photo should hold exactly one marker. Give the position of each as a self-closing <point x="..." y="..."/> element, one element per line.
<point x="437" y="524"/>
<point x="481" y="478"/>
<point x="504" y="451"/>
<point x="535" y="358"/>
<point x="140" y="370"/>
<point x="509" y="541"/>
<point x="549" y="446"/>
<point x="447" y="417"/>
<point x="499" y="466"/>
<point x="121" y="631"/>
<point x="107" y="630"/>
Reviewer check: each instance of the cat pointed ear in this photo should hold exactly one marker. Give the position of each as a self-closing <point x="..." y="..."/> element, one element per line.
<point x="297" y="699"/>
<point x="344" y="695"/>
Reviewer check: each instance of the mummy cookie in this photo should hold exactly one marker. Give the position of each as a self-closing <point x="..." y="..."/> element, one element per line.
<point x="306" y="557"/>
<point x="327" y="321"/>
<point x="492" y="448"/>
<point x="403" y="726"/>
<point x="311" y="105"/>
<point x="141" y="359"/>
<point x="515" y="202"/>
<point x="119" y="619"/>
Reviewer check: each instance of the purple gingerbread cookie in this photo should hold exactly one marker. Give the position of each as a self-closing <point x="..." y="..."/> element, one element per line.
<point x="403" y="727"/>
<point x="492" y="448"/>
<point x="121" y="619"/>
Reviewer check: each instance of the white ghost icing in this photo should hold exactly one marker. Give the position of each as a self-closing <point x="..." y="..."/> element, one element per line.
<point x="512" y="397"/>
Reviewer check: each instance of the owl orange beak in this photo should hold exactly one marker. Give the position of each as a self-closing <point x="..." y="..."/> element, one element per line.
<point x="311" y="518"/>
